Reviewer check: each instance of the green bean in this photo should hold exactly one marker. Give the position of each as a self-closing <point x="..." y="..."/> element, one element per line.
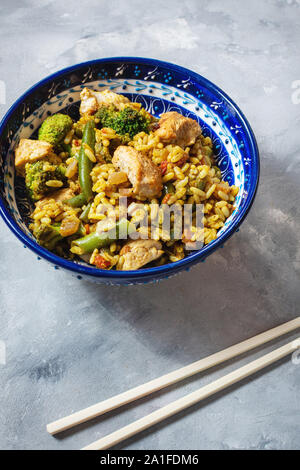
<point x="85" y="213"/>
<point x="90" y="242"/>
<point x="101" y="240"/>
<point x="84" y="167"/>
<point x="81" y="230"/>
<point x="80" y="200"/>
<point x="76" y="201"/>
<point x="84" y="163"/>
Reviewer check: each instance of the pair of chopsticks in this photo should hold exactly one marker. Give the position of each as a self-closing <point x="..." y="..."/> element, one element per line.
<point x="176" y="376"/>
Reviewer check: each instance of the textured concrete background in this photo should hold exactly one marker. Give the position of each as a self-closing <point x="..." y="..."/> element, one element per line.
<point x="70" y="343"/>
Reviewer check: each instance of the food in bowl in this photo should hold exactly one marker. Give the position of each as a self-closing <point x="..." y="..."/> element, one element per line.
<point x="95" y="182"/>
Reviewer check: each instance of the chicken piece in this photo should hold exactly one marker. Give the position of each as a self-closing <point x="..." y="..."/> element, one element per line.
<point x="29" y="151"/>
<point x="69" y="226"/>
<point x="142" y="173"/>
<point x="89" y="104"/>
<point x="60" y="195"/>
<point x="177" y="129"/>
<point x="137" y="253"/>
<point x="91" y="100"/>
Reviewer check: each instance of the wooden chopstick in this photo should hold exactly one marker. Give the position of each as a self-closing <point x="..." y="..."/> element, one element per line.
<point x="170" y="378"/>
<point x="193" y="398"/>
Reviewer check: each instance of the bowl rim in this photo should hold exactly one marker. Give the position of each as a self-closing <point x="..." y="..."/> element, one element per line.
<point x="145" y="272"/>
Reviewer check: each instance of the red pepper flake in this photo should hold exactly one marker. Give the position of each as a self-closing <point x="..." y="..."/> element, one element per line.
<point x="101" y="262"/>
<point x="163" y="167"/>
<point x="87" y="228"/>
<point x="166" y="198"/>
<point x="76" y="142"/>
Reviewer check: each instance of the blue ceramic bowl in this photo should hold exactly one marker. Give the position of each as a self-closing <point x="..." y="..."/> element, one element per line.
<point x="160" y="87"/>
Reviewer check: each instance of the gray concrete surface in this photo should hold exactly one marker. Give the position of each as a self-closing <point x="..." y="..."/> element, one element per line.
<point x="71" y="343"/>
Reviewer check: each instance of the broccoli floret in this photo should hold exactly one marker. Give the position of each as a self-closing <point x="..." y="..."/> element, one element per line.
<point x="126" y="122"/>
<point x="48" y="236"/>
<point x="107" y="116"/>
<point x="55" y="128"/>
<point x="40" y="178"/>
